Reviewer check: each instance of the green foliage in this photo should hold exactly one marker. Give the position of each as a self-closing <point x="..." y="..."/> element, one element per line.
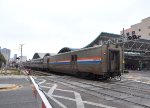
<point x="2" y="60"/>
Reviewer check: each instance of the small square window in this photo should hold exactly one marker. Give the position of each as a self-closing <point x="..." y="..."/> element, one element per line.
<point x="139" y="29"/>
<point x="148" y="27"/>
<point x="149" y="34"/>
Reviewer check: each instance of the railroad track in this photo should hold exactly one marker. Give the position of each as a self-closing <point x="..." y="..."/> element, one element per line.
<point x="40" y="73"/>
<point x="106" y="88"/>
<point x="124" y="84"/>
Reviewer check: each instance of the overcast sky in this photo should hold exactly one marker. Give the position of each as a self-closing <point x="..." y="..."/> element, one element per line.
<point x="49" y="25"/>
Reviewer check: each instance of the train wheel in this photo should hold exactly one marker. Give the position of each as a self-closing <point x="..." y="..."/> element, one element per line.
<point x="91" y="76"/>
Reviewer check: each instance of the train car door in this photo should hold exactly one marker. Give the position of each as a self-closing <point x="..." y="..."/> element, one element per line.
<point x="74" y="63"/>
<point x="114" y="61"/>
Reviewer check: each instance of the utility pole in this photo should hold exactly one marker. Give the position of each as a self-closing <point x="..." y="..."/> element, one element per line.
<point x="21" y="45"/>
<point x="123" y="62"/>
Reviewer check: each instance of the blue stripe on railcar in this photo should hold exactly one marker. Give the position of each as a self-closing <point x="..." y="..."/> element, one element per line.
<point x="89" y="62"/>
<point x="79" y="62"/>
<point x="59" y="62"/>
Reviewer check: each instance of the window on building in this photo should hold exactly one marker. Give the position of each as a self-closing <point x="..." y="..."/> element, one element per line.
<point x="139" y="29"/>
<point x="149" y="34"/>
<point x="148" y="27"/>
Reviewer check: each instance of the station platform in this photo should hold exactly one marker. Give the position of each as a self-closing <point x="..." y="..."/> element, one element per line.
<point x="16" y="92"/>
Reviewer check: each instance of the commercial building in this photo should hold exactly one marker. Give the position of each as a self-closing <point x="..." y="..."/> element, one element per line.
<point x="15" y="58"/>
<point x="6" y="53"/>
<point x="140" y="29"/>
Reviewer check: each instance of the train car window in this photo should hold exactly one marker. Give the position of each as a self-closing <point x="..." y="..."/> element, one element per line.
<point x="73" y="57"/>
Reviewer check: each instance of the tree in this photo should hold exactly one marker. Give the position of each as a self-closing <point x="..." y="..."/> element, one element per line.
<point x="2" y="60"/>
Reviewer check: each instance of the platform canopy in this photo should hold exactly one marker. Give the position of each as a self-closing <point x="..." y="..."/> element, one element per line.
<point x="136" y="47"/>
<point x="104" y="36"/>
<point x="49" y="54"/>
<point x="38" y="55"/>
<point x="67" y="49"/>
<point x="42" y="55"/>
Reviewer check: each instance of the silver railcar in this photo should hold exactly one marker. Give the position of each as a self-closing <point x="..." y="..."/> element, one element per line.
<point x="100" y="61"/>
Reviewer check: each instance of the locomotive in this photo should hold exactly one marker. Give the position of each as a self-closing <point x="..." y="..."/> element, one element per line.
<point x="99" y="61"/>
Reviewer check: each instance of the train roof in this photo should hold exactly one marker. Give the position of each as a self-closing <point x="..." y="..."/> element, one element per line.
<point x="80" y="49"/>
